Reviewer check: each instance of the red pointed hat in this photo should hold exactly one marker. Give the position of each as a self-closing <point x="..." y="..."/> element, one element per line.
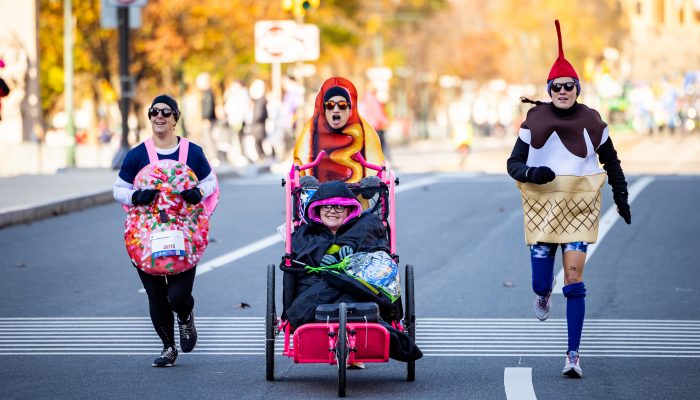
<point x="561" y="66"/>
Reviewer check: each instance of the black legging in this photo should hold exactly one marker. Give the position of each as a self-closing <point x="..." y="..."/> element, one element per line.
<point x="165" y="295"/>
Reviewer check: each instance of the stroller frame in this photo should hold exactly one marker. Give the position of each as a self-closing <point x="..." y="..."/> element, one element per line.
<point x="337" y="342"/>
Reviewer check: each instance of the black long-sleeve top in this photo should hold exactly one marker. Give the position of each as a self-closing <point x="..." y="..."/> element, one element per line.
<point x="607" y="155"/>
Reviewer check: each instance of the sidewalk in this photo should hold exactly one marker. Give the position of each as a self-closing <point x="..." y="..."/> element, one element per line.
<point x="27" y="198"/>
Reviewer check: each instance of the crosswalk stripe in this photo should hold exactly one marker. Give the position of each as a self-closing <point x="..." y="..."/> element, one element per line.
<point x="455" y="337"/>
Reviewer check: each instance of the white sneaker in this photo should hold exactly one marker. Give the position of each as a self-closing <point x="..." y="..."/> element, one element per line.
<point x="543" y="304"/>
<point x="571" y="366"/>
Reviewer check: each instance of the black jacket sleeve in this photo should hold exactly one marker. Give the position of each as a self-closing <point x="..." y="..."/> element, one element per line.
<point x="517" y="167"/>
<point x="607" y="155"/>
<point x="371" y="237"/>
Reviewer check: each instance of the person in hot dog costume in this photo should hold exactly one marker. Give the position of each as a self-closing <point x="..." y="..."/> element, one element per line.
<point x="168" y="189"/>
<point x="337" y="127"/>
<point x="556" y="163"/>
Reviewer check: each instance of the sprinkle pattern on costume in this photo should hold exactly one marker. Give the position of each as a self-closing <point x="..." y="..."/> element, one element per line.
<point x="170" y="178"/>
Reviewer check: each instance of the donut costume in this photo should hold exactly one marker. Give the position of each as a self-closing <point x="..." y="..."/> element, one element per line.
<point x="168" y="236"/>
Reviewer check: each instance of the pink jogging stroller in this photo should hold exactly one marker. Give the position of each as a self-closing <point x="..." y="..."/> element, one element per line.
<point x="350" y="337"/>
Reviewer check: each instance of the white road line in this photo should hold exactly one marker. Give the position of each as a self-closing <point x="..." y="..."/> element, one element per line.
<point x="518" y="384"/>
<point x="606" y="222"/>
<point x="415" y="184"/>
<point x="440" y="337"/>
<point x="238" y="253"/>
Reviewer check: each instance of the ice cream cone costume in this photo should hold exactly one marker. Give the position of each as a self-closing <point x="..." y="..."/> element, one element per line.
<point x="568" y="208"/>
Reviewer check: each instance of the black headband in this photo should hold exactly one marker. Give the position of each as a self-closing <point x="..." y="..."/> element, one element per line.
<point x="336" y="91"/>
<point x="170" y="101"/>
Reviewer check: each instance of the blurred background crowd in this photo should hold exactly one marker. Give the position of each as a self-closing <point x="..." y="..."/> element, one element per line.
<point x="450" y="70"/>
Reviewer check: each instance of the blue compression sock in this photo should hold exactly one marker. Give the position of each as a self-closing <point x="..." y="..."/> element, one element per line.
<point x="575" y="311"/>
<point x="542" y="261"/>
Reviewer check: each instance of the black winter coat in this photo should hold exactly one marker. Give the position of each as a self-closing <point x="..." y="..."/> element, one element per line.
<point x="365" y="233"/>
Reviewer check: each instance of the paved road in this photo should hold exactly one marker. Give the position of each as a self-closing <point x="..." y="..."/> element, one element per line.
<point x="74" y="321"/>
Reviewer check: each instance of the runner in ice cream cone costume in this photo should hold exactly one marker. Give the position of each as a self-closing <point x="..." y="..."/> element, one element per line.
<point x="169" y="191"/>
<point x="556" y="163"/>
<point x="337" y="127"/>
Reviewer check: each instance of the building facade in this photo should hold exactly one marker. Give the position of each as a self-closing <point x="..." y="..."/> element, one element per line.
<point x="664" y="37"/>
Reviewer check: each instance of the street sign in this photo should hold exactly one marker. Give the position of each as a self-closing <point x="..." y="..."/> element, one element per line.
<point x="308" y="37"/>
<point x="284" y="42"/>
<point x="108" y="16"/>
<point x="127" y="3"/>
<point x="274" y="41"/>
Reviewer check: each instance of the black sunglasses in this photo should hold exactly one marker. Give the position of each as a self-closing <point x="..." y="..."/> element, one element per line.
<point x="334" y="207"/>
<point x="568" y="86"/>
<point x="343" y="105"/>
<point x="165" y="112"/>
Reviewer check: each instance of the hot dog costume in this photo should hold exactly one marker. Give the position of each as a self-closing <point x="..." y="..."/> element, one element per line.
<point x="356" y="136"/>
<point x="570" y="142"/>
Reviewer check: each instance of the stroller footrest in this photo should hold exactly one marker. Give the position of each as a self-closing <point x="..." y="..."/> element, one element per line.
<point x="357" y="312"/>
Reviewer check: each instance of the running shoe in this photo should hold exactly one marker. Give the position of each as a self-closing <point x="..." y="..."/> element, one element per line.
<point x="571" y="366"/>
<point x="188" y="334"/>
<point x="167" y="357"/>
<point x="356" y="365"/>
<point x="543" y="304"/>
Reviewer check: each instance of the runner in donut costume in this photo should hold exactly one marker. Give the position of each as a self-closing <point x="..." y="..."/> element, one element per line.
<point x="555" y="162"/>
<point x="337" y="128"/>
<point x="169" y="191"/>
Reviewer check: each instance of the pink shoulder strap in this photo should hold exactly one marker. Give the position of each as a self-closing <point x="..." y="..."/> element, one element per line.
<point x="184" y="149"/>
<point x="151" y="150"/>
<point x="153" y="155"/>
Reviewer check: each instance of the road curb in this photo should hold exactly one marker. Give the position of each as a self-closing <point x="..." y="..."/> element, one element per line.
<point x="27" y="214"/>
<point x="22" y="215"/>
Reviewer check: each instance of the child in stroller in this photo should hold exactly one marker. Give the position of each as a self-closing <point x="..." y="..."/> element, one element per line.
<point x="336" y="228"/>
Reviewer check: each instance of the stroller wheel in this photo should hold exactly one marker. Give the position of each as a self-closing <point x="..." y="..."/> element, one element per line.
<point x="341" y="348"/>
<point x="270" y="320"/>
<point x="410" y="319"/>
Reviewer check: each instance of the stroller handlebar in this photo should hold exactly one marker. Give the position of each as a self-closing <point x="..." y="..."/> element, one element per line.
<point x="358" y="157"/>
<point x="314" y="163"/>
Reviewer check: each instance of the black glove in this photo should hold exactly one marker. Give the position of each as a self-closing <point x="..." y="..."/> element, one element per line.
<point x="540" y="175"/>
<point x="308" y="181"/>
<point x="192" y="196"/>
<point x="143" y="197"/>
<point x="370" y="182"/>
<point x="345" y="251"/>
<point x="329" y="259"/>
<point x="623" y="207"/>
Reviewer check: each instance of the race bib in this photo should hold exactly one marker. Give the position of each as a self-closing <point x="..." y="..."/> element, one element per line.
<point x="168" y="243"/>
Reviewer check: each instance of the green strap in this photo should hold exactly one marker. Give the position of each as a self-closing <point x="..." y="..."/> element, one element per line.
<point x="341" y="266"/>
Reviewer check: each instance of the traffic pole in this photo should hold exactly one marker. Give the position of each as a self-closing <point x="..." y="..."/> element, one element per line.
<point x="125" y="80"/>
<point x="68" y="77"/>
